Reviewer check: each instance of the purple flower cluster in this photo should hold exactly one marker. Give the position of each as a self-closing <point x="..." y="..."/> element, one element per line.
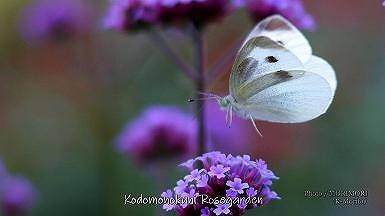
<point x="138" y="14"/>
<point x="124" y="15"/>
<point x="199" y="12"/>
<point x="131" y="14"/>
<point x="223" y="178"/>
<point x="293" y="10"/>
<point x="54" y="20"/>
<point x="17" y="194"/>
<point x="160" y="132"/>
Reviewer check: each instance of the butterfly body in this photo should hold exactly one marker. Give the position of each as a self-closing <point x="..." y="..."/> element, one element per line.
<point x="229" y="103"/>
<point x="276" y="78"/>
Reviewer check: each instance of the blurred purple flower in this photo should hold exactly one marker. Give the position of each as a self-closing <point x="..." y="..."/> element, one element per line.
<point x="293" y="10"/>
<point x="124" y="15"/>
<point x="17" y="196"/>
<point x="199" y="12"/>
<point x="222" y="138"/>
<point x="242" y="178"/>
<point x="3" y="171"/>
<point x="161" y="132"/>
<point x="54" y="20"/>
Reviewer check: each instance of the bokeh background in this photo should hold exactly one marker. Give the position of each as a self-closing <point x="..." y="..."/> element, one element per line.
<point x="62" y="104"/>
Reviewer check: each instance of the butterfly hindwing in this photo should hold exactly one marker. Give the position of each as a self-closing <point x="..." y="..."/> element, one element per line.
<point x="293" y="101"/>
<point x="323" y="68"/>
<point x="303" y="96"/>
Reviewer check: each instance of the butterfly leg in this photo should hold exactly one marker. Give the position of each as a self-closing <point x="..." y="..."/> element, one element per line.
<point x="231" y="116"/>
<point x="227" y="117"/>
<point x="255" y="126"/>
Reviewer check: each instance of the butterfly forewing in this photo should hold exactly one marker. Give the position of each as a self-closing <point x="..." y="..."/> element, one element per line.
<point x="255" y="86"/>
<point x="284" y="33"/>
<point x="259" y="57"/>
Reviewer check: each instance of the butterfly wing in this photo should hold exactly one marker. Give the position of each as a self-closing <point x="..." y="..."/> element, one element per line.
<point x="280" y="30"/>
<point x="260" y="57"/>
<point x="296" y="100"/>
<point x="323" y="68"/>
<point x="290" y="96"/>
<point x="275" y="77"/>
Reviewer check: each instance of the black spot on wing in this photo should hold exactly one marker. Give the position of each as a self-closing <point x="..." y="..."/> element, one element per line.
<point x="271" y="59"/>
<point x="283" y="74"/>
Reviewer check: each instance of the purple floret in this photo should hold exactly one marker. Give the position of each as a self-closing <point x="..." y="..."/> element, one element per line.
<point x="218" y="171"/>
<point x="237" y="185"/>
<point x="222" y="209"/>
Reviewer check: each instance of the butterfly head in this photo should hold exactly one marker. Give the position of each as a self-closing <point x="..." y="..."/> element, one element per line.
<point x="226" y="101"/>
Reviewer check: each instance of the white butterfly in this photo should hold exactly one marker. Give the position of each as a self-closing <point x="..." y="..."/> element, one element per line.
<point x="276" y="78"/>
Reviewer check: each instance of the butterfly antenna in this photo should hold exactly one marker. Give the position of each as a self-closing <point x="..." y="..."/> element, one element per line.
<point x="210" y="95"/>
<point x="190" y="100"/>
<point x="255" y="126"/>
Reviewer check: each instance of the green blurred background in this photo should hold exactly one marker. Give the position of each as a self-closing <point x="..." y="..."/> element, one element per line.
<point x="61" y="105"/>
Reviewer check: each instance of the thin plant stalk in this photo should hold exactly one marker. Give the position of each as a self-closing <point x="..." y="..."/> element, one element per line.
<point x="197" y="75"/>
<point x="199" y="87"/>
<point x="170" y="53"/>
